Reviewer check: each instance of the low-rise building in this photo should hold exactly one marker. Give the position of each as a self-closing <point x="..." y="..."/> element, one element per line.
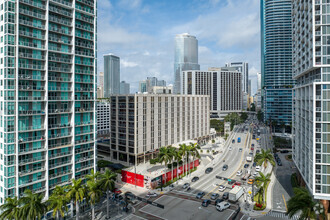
<point x="142" y="123"/>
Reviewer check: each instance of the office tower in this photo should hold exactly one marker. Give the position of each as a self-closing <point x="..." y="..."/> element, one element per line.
<point x="242" y="67"/>
<point x="101" y="79"/>
<point x="276" y="60"/>
<point x="152" y="121"/>
<point x="100" y="92"/>
<point x="259" y="81"/>
<point x="143" y="86"/>
<point x="48" y="102"/>
<point x="161" y="89"/>
<point x="250" y="88"/>
<point x="311" y="142"/>
<point x="111" y="75"/>
<point x="152" y="81"/>
<point x="223" y="85"/>
<point x="124" y="88"/>
<point x="161" y="83"/>
<point x="186" y="57"/>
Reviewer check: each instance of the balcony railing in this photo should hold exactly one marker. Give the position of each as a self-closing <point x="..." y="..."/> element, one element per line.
<point x="58" y="174"/>
<point x="59" y="135"/>
<point x="34" y="4"/>
<point x="63" y="2"/>
<point x="59" y="59"/>
<point x="84" y="123"/>
<point x="32" y="128"/>
<point x="31" y="112"/>
<point x="59" y="125"/>
<point x="32" y="14"/>
<point x="31" y="160"/>
<point x="57" y="111"/>
<point x="84" y="141"/>
<point x="23" y="183"/>
<point x="64" y="144"/>
<point x="28" y="139"/>
<point x="84" y="167"/>
<point x="28" y="171"/>
<point x="60" y="154"/>
<point x="59" y="164"/>
<point x="59" y="11"/>
<point x="31" y="98"/>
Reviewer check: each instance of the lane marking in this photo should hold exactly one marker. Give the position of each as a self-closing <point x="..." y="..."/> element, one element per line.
<point x="285" y="203"/>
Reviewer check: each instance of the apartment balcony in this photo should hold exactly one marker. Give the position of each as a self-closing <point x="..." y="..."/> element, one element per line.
<point x="83" y="150"/>
<point x="89" y="166"/>
<point x="85" y="36"/>
<point x="31" y="66"/>
<point x="31" y="171"/>
<point x="63" y="154"/>
<point x="31" y="88"/>
<point x="58" y="111"/>
<point x="32" y="35"/>
<point x="32" y="56"/>
<point x="85" y="141"/>
<point x="60" y="21"/>
<point x="79" y="124"/>
<point x="58" y="126"/>
<point x="31" y="150"/>
<point x="32" y="14"/>
<point x="60" y="183"/>
<point x="61" y="12"/>
<point x="85" y="27"/>
<point x="31" y="139"/>
<point x="31" y="77"/>
<point x="9" y="163"/>
<point x="87" y="2"/>
<point x="85" y="159"/>
<point x="89" y="11"/>
<point x="86" y="72"/>
<point x="62" y="3"/>
<point x="58" y="89"/>
<point x="89" y="64"/>
<point x="85" y="19"/>
<point x="59" y="98"/>
<point x="84" y="45"/>
<point x="84" y="81"/>
<point x="31" y="98"/>
<point x="77" y="133"/>
<point x="59" y="174"/>
<point x="84" y="110"/>
<point x="59" y="69"/>
<point x="59" y="59"/>
<point x="59" y="40"/>
<point x="31" y="24"/>
<point x="85" y="98"/>
<point x="32" y="181"/>
<point x="59" y="50"/>
<point x="33" y="4"/>
<point x="84" y="89"/>
<point x="60" y="164"/>
<point x="55" y="136"/>
<point x="60" y="31"/>
<point x="32" y="46"/>
<point x="59" y="145"/>
<point x="31" y="160"/>
<point x="32" y="128"/>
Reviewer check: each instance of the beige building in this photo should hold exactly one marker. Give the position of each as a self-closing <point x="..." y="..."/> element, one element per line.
<point x="142" y="123"/>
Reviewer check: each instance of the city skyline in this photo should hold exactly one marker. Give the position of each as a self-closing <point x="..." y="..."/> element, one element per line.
<point x="148" y="49"/>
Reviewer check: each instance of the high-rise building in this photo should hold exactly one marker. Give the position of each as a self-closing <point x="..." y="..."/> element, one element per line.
<point x="161" y="83"/>
<point x="242" y="67"/>
<point x="111" y="75"/>
<point x="223" y="85"/>
<point x="259" y="81"/>
<point x="311" y="142"/>
<point x="186" y="57"/>
<point x="48" y="77"/>
<point x="250" y="88"/>
<point x="143" y="86"/>
<point x="142" y="123"/>
<point x="101" y="79"/>
<point x="124" y="88"/>
<point x="103" y="118"/>
<point x="276" y="60"/>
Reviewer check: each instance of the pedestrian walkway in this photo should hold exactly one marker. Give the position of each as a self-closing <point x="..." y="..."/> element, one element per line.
<point x="281" y="215"/>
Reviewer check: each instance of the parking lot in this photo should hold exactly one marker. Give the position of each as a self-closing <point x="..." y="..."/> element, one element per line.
<point x="177" y="208"/>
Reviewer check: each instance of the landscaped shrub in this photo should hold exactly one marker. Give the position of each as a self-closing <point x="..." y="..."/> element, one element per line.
<point x="153" y="161"/>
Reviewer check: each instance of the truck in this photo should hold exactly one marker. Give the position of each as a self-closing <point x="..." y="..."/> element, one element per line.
<point x="235" y="194"/>
<point x="249" y="159"/>
<point x="239" y="140"/>
<point x="247" y="175"/>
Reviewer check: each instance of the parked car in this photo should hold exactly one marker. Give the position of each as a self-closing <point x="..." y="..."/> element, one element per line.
<point x="255" y="174"/>
<point x="206" y="202"/>
<point x="218" y="201"/>
<point x="215" y="152"/>
<point x="151" y="194"/>
<point x="258" y="168"/>
<point x="254" y="164"/>
<point x="239" y="173"/>
<point x="214" y="196"/>
<point x="240" y="150"/>
<point x="195" y="179"/>
<point x="222" y="206"/>
<point x="225" y="195"/>
<point x="246" y="165"/>
<point x="236" y="184"/>
<point x="117" y="191"/>
<point x="186" y="185"/>
<point x="225" y="167"/>
<point x="222" y="188"/>
<point x="200" y="195"/>
<point x="230" y="148"/>
<point x="279" y="163"/>
<point x="258" y="151"/>
<point x="208" y="170"/>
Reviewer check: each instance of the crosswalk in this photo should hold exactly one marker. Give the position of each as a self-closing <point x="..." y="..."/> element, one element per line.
<point x="281" y="215"/>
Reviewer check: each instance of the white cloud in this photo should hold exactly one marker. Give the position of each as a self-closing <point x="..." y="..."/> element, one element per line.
<point x="126" y="64"/>
<point x="130" y="4"/>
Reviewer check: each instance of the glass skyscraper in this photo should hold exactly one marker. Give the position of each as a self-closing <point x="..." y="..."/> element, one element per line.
<point x="276" y="60"/>
<point x="111" y="75"/>
<point x="186" y="57"/>
<point x="47" y="94"/>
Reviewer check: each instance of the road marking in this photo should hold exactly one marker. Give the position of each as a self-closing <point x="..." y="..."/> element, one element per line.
<point x="232" y="212"/>
<point x="285" y="203"/>
<point x="248" y="136"/>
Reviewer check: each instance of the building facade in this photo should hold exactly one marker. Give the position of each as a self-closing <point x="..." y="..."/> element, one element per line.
<point x="223" y="85"/>
<point x="242" y="67"/>
<point x="276" y="60"/>
<point x="48" y="94"/>
<point x="125" y="88"/>
<point x="103" y="117"/>
<point x="311" y="69"/>
<point x="111" y="75"/>
<point x="142" y="123"/>
<point x="185" y="58"/>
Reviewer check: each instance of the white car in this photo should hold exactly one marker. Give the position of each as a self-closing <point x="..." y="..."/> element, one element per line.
<point x="239" y="173"/>
<point x="258" y="168"/>
<point x="230" y="148"/>
<point x="256" y="174"/>
<point x="151" y="194"/>
<point x="222" y="206"/>
<point x="222" y="188"/>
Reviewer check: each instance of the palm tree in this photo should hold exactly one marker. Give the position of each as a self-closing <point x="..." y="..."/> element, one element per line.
<point x="178" y="158"/>
<point x="194" y="152"/>
<point x="107" y="182"/>
<point x="93" y="175"/>
<point x="10" y="209"/>
<point x="32" y="205"/>
<point x="172" y="152"/>
<point x="264" y="157"/>
<point x="262" y="182"/>
<point x="94" y="193"/>
<point x="76" y="193"/>
<point x="164" y="157"/>
<point x="301" y="201"/>
<point x="58" y="202"/>
<point x="184" y="152"/>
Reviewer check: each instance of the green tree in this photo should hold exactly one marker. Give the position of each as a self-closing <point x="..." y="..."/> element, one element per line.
<point x="178" y="158"/>
<point x="262" y="181"/>
<point x="58" y="202"/>
<point x="194" y="152"/>
<point x="217" y="125"/>
<point x="76" y="193"/>
<point x="107" y="182"/>
<point x="185" y="153"/>
<point x="301" y="201"/>
<point x="32" y="205"/>
<point x="93" y="194"/>
<point x="264" y="157"/>
<point x="93" y="175"/>
<point x="172" y="152"/>
<point x="11" y="209"/>
<point x="164" y="156"/>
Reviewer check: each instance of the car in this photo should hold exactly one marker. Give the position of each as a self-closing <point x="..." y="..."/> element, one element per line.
<point x="240" y="150"/>
<point x="252" y="145"/>
<point x="239" y="173"/>
<point x="117" y="191"/>
<point x="151" y="194"/>
<point x="225" y="167"/>
<point x="279" y="163"/>
<point x="251" y="153"/>
<point x="214" y="196"/>
<point x="236" y="184"/>
<point x="255" y="174"/>
<point x="218" y="201"/>
<point x="186" y="185"/>
<point x="208" y="170"/>
<point x="252" y="148"/>
<point x="258" y="168"/>
<point x="230" y="148"/>
<point x="258" y="151"/>
<point x="206" y="202"/>
<point x="251" y="181"/>
<point x="222" y="188"/>
<point x="225" y="195"/>
<point x="194" y="179"/>
<point x="200" y="195"/>
<point x="215" y="152"/>
<point x="246" y="165"/>
<point x="233" y="141"/>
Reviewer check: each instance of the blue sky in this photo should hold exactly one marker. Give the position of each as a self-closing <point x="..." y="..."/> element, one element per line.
<point x="141" y="33"/>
